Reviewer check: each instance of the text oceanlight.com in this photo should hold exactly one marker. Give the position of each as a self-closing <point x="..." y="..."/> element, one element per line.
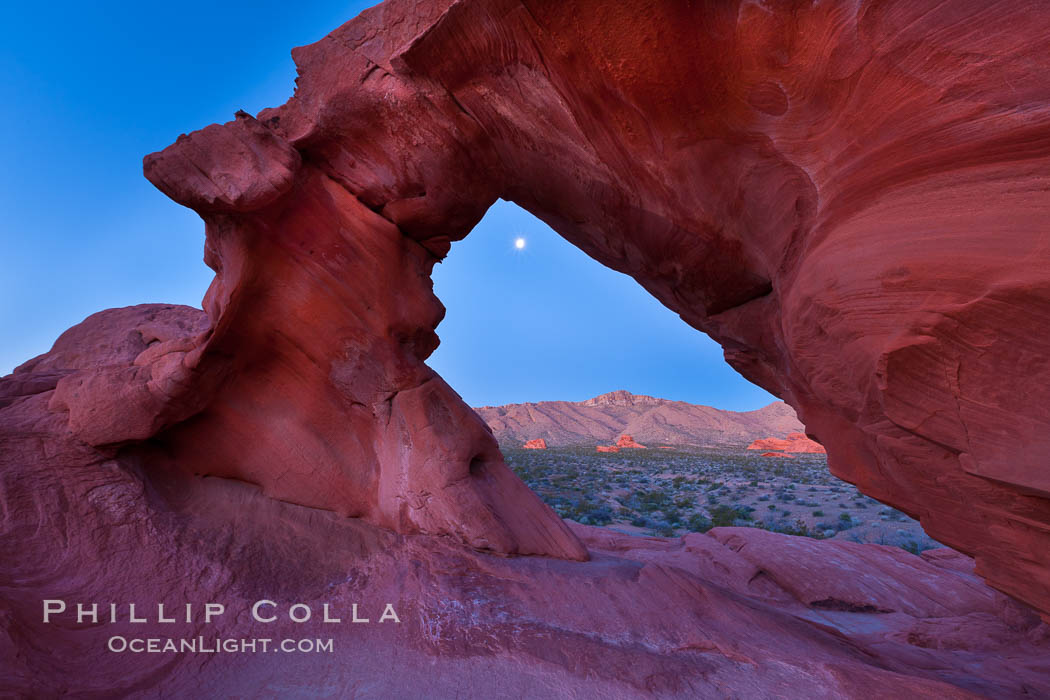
<point x="200" y="645"/>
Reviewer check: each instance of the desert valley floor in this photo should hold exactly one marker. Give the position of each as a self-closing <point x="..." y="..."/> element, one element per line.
<point x="671" y="492"/>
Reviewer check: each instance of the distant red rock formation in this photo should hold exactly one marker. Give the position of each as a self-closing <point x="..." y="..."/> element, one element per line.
<point x="625" y="441"/>
<point x="777" y="454"/>
<point x="794" y="442"/>
<point x="537" y="444"/>
<point x="769" y="444"/>
<point x="628" y="441"/>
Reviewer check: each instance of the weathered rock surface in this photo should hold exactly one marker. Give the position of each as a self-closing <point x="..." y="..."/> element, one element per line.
<point x="649" y="419"/>
<point x="794" y="442"/>
<point x="607" y="448"/>
<point x="850" y="197"/>
<point x="537" y="444"/>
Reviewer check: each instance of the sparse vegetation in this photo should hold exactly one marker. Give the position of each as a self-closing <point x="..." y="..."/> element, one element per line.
<point x="669" y="493"/>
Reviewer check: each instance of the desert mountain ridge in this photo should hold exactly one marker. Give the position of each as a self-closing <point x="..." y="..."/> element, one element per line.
<point x="647" y="418"/>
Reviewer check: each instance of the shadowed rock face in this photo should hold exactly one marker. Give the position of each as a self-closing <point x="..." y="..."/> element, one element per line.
<point x="850" y="197"/>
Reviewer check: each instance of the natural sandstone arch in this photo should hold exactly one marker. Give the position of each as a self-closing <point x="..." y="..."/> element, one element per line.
<point x="850" y="197"/>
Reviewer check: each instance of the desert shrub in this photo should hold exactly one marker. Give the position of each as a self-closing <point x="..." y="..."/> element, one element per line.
<point x="698" y="523"/>
<point x="725" y="516"/>
<point x="597" y="516"/>
<point x="818" y="514"/>
<point x="798" y="528"/>
<point x="845" y="522"/>
<point x="652" y="500"/>
<point x="662" y="528"/>
<point x="825" y="529"/>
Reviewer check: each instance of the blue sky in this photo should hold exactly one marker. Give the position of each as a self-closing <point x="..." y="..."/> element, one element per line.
<point x="92" y="87"/>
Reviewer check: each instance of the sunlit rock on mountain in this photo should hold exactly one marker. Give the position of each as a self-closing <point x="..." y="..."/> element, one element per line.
<point x="793" y="442"/>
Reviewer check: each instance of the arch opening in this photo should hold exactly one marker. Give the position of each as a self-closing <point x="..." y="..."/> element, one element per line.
<point x="557" y="352"/>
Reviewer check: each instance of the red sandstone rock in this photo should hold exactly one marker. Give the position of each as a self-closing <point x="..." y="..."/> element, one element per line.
<point x="769" y="444"/>
<point x="777" y="454"/>
<point x="795" y="442"/>
<point x="628" y="441"/>
<point x="607" y="448"/>
<point x="839" y="193"/>
<point x="368" y="429"/>
<point x="850" y="197"/>
<point x="537" y="444"/>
